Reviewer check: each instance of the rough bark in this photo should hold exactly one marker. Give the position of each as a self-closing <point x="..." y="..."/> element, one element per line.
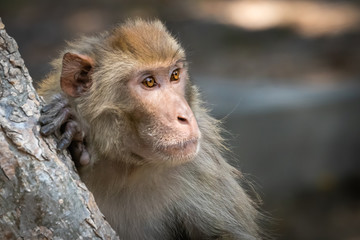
<point x="41" y="195"/>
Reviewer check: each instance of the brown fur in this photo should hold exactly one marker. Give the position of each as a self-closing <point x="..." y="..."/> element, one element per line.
<point x="165" y="197"/>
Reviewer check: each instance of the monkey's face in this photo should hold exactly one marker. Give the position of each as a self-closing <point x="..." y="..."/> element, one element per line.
<point x="166" y="126"/>
<point x="131" y="95"/>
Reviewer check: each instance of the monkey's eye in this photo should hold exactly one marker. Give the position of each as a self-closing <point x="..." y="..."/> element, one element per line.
<point x="175" y="75"/>
<point x="149" y="82"/>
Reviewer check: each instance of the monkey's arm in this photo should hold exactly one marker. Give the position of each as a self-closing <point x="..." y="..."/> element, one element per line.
<point x="57" y="116"/>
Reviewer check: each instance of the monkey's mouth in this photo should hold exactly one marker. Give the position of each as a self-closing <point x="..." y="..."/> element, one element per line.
<point x="184" y="147"/>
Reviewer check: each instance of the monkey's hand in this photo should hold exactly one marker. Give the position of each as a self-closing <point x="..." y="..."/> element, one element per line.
<point x="57" y="117"/>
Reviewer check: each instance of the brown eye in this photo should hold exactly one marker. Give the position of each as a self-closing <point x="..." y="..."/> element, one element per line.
<point x="149" y="82"/>
<point x="175" y="75"/>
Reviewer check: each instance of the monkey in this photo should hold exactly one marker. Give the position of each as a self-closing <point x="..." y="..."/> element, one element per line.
<point x="143" y="142"/>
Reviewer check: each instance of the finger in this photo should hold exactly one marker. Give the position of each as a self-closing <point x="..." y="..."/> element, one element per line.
<point x="74" y="126"/>
<point x="71" y="129"/>
<point x="45" y="119"/>
<point x="55" y="105"/>
<point x="48" y="107"/>
<point x="65" y="140"/>
<point x="47" y="129"/>
<point x="62" y="117"/>
<point x="50" y="125"/>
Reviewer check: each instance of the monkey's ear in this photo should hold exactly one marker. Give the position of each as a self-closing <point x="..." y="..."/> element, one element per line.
<point x="76" y="74"/>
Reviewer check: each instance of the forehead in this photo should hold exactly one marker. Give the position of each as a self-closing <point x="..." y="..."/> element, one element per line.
<point x="146" y="43"/>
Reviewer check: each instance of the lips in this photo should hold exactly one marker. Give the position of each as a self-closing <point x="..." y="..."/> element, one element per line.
<point x="185" y="147"/>
<point x="183" y="144"/>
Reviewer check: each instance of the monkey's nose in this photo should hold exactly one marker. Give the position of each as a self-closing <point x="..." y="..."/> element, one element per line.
<point x="183" y="120"/>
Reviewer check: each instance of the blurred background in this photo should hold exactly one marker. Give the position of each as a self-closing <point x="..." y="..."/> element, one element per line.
<point x="284" y="76"/>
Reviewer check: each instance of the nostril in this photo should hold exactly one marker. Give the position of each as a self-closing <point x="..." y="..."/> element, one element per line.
<point x="182" y="120"/>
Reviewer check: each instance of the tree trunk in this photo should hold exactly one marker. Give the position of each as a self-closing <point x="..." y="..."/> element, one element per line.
<point x="41" y="195"/>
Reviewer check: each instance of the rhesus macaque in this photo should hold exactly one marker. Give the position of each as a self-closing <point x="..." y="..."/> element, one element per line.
<point x="153" y="155"/>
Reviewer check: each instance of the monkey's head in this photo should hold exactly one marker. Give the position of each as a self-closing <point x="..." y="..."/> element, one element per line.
<point x="130" y="89"/>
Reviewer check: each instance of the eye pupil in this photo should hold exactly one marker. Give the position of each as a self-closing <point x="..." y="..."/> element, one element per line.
<point x="149" y="82"/>
<point x="175" y="75"/>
